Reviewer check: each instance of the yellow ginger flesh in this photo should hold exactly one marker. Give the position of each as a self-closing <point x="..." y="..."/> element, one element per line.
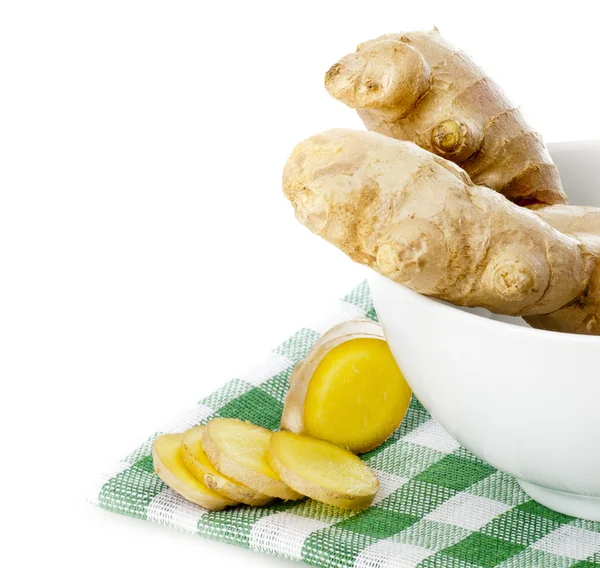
<point x="237" y="449"/>
<point x="357" y="395"/>
<point x="169" y="466"/>
<point x="246" y="442"/>
<point x="196" y="460"/>
<point x="322" y="470"/>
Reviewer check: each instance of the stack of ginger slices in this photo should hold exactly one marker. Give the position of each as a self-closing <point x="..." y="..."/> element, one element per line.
<point x="230" y="462"/>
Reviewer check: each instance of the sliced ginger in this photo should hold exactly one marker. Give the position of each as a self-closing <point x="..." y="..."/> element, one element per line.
<point x="322" y="471"/>
<point x="169" y="466"/>
<point x="349" y="390"/>
<point x="237" y="450"/>
<point x="198" y="463"/>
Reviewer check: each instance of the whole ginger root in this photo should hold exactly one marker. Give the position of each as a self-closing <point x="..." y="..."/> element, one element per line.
<point x="419" y="220"/>
<point x="416" y="86"/>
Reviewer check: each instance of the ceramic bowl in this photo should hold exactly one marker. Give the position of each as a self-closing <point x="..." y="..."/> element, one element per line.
<point x="524" y="400"/>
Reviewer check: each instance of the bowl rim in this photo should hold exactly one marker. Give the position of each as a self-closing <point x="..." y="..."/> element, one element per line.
<point x="434" y="304"/>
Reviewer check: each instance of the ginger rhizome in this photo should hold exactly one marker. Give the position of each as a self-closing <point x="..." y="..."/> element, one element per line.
<point x="321" y="470"/>
<point x="416" y="86"/>
<point x="582" y="315"/>
<point x="419" y="220"/>
<point x="348" y="390"/>
<point x="572" y="219"/>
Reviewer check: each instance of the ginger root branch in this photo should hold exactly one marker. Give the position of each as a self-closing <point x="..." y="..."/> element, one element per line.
<point x="417" y="86"/>
<point x="419" y="220"/>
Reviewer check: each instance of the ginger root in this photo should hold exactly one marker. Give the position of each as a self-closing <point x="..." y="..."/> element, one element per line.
<point x="419" y="220"/>
<point x="572" y="219"/>
<point x="237" y="450"/>
<point x="416" y="86"/>
<point x="348" y="390"/>
<point x="169" y="466"/>
<point x="582" y="315"/>
<point x="322" y="470"/>
<point x="196" y="460"/>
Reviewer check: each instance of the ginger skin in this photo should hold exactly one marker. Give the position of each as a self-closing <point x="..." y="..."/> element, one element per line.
<point x="572" y="219"/>
<point x="419" y="220"/>
<point x="582" y="315"/>
<point x="416" y="86"/>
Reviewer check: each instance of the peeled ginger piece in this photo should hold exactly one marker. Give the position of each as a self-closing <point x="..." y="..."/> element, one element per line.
<point x="349" y="389"/>
<point x="322" y="471"/>
<point x="237" y="450"/>
<point x="169" y="466"/>
<point x="198" y="463"/>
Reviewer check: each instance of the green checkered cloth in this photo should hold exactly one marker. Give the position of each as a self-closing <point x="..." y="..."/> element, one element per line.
<point x="438" y="507"/>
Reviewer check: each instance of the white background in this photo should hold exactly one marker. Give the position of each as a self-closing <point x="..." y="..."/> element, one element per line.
<point x="146" y="251"/>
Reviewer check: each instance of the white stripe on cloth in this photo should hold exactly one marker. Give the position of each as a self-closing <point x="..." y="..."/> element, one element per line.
<point x="388" y="483"/>
<point x="570" y="541"/>
<point x="342" y="312"/>
<point x="189" y="418"/>
<point x="468" y="511"/>
<point x="388" y="554"/>
<point x="283" y="534"/>
<point x="171" y="509"/>
<point x="93" y="494"/>
<point x="274" y="364"/>
<point x="431" y="435"/>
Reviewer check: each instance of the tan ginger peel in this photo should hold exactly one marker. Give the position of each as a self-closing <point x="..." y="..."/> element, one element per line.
<point x="417" y="86"/>
<point x="419" y="220"/>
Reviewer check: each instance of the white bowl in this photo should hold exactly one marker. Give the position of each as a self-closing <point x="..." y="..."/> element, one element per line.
<point x="524" y="400"/>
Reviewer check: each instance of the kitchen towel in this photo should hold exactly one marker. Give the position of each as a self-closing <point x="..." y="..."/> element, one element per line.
<point x="439" y="506"/>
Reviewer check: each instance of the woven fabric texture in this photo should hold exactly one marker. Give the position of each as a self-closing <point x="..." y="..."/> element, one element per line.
<point x="438" y="507"/>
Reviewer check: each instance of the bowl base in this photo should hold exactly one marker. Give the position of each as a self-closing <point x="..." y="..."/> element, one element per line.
<point x="583" y="506"/>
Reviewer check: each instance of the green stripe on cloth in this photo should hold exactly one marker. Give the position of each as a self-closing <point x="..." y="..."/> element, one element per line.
<point x="438" y="506"/>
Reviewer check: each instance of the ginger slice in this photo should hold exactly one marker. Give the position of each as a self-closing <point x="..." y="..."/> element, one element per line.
<point x="322" y="471"/>
<point x="198" y="463"/>
<point x="169" y="466"/>
<point x="237" y="450"/>
<point x="348" y="390"/>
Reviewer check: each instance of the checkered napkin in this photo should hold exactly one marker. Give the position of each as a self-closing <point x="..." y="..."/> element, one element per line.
<point x="438" y="507"/>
